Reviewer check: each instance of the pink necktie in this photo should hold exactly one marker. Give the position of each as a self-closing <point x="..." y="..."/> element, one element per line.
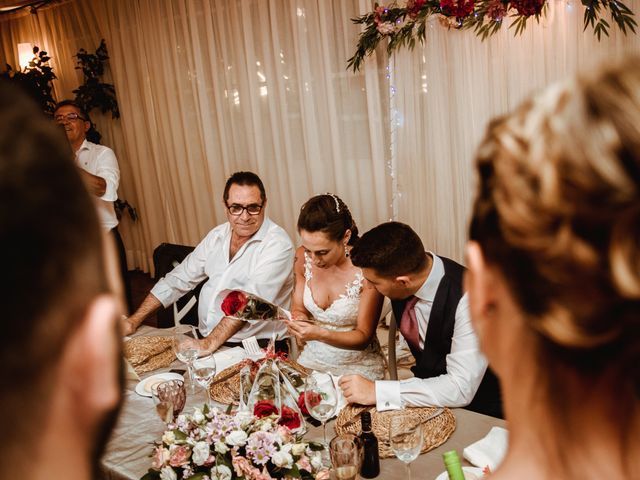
<point x="409" y="324"/>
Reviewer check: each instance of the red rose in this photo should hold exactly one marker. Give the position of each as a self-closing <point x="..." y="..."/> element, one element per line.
<point x="289" y="418"/>
<point x="314" y="399"/>
<point x="234" y="302"/>
<point x="457" y="8"/>
<point x="264" y="408"/>
<point x="528" y="7"/>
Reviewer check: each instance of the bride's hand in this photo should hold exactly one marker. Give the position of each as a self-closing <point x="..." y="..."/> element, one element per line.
<point x="302" y="329"/>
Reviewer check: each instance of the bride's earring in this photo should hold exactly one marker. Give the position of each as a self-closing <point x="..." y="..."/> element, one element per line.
<point x="346" y="251"/>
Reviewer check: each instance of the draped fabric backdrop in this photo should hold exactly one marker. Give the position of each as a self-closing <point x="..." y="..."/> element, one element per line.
<point x="207" y="88"/>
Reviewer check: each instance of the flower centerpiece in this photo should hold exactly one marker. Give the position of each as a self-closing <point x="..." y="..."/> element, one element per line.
<point x="212" y="445"/>
<point x="247" y="306"/>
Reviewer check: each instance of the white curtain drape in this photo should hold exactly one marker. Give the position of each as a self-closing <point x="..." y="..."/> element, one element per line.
<point x="210" y="87"/>
<point x="448" y="90"/>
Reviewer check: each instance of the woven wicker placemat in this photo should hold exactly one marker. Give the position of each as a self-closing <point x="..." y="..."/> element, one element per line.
<point x="225" y="387"/>
<point x="436" y="430"/>
<point x="148" y="353"/>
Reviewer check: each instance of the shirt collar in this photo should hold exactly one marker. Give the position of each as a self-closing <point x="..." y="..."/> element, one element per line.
<point x="427" y="291"/>
<point x="84" y="146"/>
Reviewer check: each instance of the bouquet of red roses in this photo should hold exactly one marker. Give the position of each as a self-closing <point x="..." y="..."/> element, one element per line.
<point x="247" y="306"/>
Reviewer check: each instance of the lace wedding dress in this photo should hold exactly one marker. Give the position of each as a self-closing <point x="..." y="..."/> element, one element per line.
<point x="340" y="316"/>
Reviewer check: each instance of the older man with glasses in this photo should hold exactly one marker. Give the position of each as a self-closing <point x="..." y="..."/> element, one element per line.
<point x="249" y="253"/>
<point x="100" y="172"/>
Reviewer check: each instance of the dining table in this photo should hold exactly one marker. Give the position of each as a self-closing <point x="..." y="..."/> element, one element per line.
<point x="128" y="453"/>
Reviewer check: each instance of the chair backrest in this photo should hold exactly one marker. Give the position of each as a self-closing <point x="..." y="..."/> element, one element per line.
<point x="165" y="257"/>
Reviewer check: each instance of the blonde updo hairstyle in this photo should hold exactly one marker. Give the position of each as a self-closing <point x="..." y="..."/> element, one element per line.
<point x="558" y="213"/>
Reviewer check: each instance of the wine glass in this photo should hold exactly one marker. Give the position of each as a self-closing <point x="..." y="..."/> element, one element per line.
<point x="321" y="398"/>
<point x="186" y="348"/>
<point x="169" y="399"/>
<point x="405" y="438"/>
<point x="346" y="453"/>
<point x="204" y="369"/>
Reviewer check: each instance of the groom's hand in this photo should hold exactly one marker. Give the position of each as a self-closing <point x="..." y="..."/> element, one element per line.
<point x="357" y="389"/>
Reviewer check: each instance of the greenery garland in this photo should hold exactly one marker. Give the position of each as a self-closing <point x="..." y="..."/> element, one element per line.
<point x="402" y="26"/>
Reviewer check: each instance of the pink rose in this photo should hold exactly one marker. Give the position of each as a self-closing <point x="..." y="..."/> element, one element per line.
<point x="160" y="458"/>
<point x="243" y="468"/>
<point x="323" y="475"/>
<point x="304" y="464"/>
<point x="179" y="455"/>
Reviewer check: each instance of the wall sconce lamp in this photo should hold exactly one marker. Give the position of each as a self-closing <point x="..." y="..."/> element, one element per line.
<point x="25" y="54"/>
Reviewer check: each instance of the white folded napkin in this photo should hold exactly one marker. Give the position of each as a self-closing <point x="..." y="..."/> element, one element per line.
<point x="488" y="451"/>
<point x="225" y="358"/>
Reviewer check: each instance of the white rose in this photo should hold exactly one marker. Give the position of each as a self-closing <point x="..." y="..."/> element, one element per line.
<point x="167" y="473"/>
<point x="220" y="472"/>
<point x="169" y="437"/>
<point x="244" y="417"/>
<point x="198" y="416"/>
<point x="298" y="448"/>
<point x="221" y="447"/>
<point x="236" y="438"/>
<point x="282" y="459"/>
<point x="200" y="453"/>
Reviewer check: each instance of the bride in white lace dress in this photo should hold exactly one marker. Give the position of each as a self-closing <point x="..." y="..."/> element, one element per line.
<point x="334" y="311"/>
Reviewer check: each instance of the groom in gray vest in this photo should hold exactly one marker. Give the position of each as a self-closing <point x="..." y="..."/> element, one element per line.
<point x="432" y="312"/>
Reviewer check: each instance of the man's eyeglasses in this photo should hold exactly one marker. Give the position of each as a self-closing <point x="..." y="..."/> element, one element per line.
<point x="69" y="117"/>
<point x="253" y="209"/>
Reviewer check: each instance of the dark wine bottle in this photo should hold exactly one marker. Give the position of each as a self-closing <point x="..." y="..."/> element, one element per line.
<point x="370" y="459"/>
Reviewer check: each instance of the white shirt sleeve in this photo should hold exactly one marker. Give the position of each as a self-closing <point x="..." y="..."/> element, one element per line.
<point x="107" y="168"/>
<point x="185" y="277"/>
<point x="456" y="388"/>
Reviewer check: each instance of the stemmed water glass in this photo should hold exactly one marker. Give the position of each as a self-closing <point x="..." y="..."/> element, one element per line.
<point x="185" y="346"/>
<point x="321" y="398"/>
<point x="405" y="438"/>
<point x="204" y="369"/>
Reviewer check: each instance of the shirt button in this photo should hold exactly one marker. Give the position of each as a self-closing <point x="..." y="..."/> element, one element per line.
<point x="386" y="404"/>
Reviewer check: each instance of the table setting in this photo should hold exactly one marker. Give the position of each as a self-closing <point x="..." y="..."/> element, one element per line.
<point x="240" y="413"/>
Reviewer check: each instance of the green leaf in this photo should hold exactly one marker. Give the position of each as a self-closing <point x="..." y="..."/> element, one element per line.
<point x="151" y="475"/>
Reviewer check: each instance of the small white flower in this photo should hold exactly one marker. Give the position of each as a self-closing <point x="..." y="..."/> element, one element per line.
<point x="200" y="453"/>
<point x="266" y="426"/>
<point x="316" y="460"/>
<point x="221" y="447"/>
<point x="169" y="437"/>
<point x="167" y="473"/>
<point x="282" y="459"/>
<point x="198" y="416"/>
<point x="236" y="438"/>
<point x="220" y="472"/>
<point x="286" y="447"/>
<point x="298" y="448"/>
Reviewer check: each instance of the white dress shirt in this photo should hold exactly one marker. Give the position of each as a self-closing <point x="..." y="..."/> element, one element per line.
<point x="263" y="266"/>
<point x="100" y="161"/>
<point x="465" y="364"/>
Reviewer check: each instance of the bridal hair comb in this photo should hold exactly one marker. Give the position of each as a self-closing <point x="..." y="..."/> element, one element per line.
<point x="336" y="200"/>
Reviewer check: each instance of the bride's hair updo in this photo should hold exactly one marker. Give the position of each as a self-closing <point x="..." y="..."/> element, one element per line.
<point x="558" y="212"/>
<point x="327" y="213"/>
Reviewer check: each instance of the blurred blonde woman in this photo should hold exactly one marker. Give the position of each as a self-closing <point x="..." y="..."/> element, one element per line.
<point x="554" y="276"/>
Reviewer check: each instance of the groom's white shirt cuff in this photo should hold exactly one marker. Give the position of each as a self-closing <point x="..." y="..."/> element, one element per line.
<point x="388" y="395"/>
